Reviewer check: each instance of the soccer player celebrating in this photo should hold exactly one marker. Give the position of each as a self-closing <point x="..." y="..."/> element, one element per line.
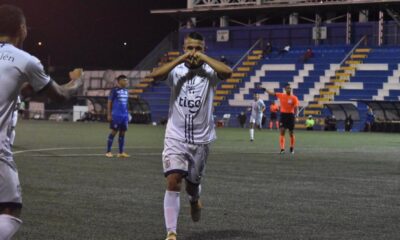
<point x="289" y="108"/>
<point x="18" y="69"/>
<point x="257" y="109"/>
<point x="273" y="108"/>
<point x="192" y="77"/>
<point x="118" y="115"/>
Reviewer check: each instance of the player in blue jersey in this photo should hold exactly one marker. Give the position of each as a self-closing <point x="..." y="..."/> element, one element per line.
<point x="118" y="116"/>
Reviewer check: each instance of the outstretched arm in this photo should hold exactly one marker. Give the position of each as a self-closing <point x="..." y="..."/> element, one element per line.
<point x="221" y="68"/>
<point x="162" y="72"/>
<point x="269" y="92"/>
<point x="55" y="92"/>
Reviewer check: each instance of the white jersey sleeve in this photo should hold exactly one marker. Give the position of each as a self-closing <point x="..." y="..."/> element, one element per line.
<point x="35" y="74"/>
<point x="169" y="80"/>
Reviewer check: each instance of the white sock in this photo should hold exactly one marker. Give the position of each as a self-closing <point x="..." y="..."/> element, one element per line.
<point x="171" y="210"/>
<point x="251" y="133"/>
<point x="196" y="197"/>
<point x="9" y="225"/>
<point x="12" y="137"/>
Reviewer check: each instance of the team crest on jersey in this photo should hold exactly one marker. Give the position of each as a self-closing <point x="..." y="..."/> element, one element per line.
<point x="190" y="89"/>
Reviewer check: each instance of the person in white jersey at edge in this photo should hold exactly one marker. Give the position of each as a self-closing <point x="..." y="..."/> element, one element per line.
<point x="14" y="120"/>
<point x="22" y="73"/>
<point x="257" y="110"/>
<point x="192" y="77"/>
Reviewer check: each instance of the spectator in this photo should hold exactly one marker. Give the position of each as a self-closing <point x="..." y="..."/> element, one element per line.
<point x="307" y="55"/>
<point x="330" y="123"/>
<point x="224" y="60"/>
<point x="310" y="122"/>
<point x="348" y="123"/>
<point x="333" y="123"/>
<point x="267" y="50"/>
<point x="242" y="119"/>
<point x="369" y="120"/>
<point x="284" y="50"/>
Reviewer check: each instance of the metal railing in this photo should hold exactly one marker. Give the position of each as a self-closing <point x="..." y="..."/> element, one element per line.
<point x="353" y="49"/>
<point x="247" y="53"/>
<point x="169" y="43"/>
<point x="272" y="3"/>
<point x="301" y="110"/>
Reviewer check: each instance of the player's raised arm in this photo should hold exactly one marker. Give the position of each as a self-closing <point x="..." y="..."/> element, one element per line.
<point x="161" y="73"/>
<point x="269" y="92"/>
<point x="223" y="70"/>
<point x="55" y="92"/>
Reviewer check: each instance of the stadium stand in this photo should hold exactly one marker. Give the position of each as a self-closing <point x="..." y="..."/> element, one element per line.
<point x="351" y="63"/>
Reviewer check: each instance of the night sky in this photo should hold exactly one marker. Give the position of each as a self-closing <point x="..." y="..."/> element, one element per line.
<point x="91" y="33"/>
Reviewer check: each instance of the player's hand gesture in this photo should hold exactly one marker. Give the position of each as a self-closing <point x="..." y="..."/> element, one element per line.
<point x="198" y="56"/>
<point x="185" y="57"/>
<point x="76" y="78"/>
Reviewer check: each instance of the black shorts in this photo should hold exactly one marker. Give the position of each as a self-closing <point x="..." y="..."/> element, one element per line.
<point x="287" y="121"/>
<point x="273" y="116"/>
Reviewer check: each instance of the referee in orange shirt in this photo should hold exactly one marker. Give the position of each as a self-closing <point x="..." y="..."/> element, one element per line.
<point x="274" y="109"/>
<point x="289" y="108"/>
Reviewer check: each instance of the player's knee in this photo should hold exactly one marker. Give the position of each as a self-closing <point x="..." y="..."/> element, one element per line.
<point x="122" y="133"/>
<point x="174" y="182"/>
<point x="14" y="211"/>
<point x="191" y="187"/>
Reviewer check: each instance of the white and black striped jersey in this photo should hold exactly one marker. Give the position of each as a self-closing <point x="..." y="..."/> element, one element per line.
<point x="191" y="104"/>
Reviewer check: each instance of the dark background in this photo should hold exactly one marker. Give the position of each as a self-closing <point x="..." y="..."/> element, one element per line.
<point x="91" y="33"/>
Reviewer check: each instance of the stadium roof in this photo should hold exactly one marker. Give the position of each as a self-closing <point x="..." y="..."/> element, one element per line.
<point x="294" y="5"/>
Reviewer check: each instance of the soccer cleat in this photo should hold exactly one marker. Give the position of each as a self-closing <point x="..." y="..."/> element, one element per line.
<point x="171" y="236"/>
<point x="251" y="140"/>
<point x="109" y="155"/>
<point x="282" y="151"/>
<point x="292" y="150"/>
<point x="195" y="210"/>
<point x="123" y="155"/>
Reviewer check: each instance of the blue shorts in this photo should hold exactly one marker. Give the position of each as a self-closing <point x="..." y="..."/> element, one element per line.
<point x="119" y="123"/>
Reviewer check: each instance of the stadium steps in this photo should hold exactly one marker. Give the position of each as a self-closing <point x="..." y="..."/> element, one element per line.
<point x="332" y="88"/>
<point x="147" y="82"/>
<point x="227" y="87"/>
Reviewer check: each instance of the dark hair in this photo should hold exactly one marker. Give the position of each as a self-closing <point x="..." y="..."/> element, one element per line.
<point x="287" y="84"/>
<point x="120" y="77"/>
<point x="196" y="35"/>
<point x="11" y="18"/>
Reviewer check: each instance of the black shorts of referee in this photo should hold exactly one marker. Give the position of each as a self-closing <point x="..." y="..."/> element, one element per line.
<point x="287" y="121"/>
<point x="274" y="116"/>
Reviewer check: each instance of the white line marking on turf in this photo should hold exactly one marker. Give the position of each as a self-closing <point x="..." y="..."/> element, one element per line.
<point x="91" y="155"/>
<point x="232" y="150"/>
<point x="74" y="148"/>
